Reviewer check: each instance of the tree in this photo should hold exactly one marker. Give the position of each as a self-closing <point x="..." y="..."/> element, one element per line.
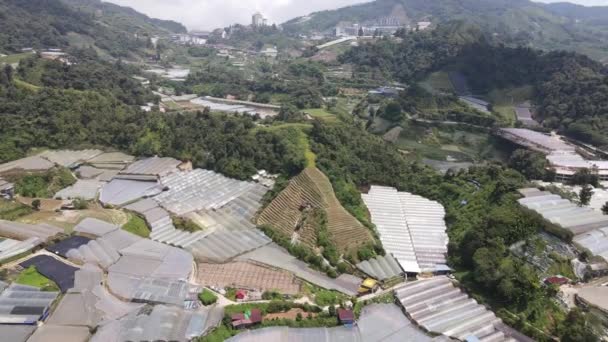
<point x="393" y="112"/>
<point x="585" y="176"/>
<point x="36" y="204"/>
<point x="531" y="164"/>
<point x="605" y="208"/>
<point x="585" y="195"/>
<point x="577" y="328"/>
<point x="361" y="33"/>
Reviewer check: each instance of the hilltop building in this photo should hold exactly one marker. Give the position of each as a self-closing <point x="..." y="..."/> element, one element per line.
<point x="380" y="26"/>
<point x="258" y="20"/>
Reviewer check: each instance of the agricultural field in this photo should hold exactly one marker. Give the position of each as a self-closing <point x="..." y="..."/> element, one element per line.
<point x="292" y="213"/>
<point x="504" y="101"/>
<point x="438" y="82"/>
<point x="11" y="211"/>
<point x="448" y="144"/>
<point x="137" y="226"/>
<point x="30" y="276"/>
<point x="11" y="59"/>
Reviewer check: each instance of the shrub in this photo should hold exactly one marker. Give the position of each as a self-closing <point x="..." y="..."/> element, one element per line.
<point x="207" y="297"/>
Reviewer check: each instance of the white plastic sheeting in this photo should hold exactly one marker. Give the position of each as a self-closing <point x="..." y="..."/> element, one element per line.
<point x="439" y="307"/>
<point x="119" y="192"/>
<point x="23" y="231"/>
<point x="161" y="224"/>
<point x="85" y="189"/>
<point x="589" y="227"/>
<point x="33" y="164"/>
<point x="201" y="190"/>
<point x="69" y="159"/>
<point x="224" y="246"/>
<point x="154" y="166"/>
<point x="11" y="248"/>
<point x="411" y="228"/>
<point x="163" y="323"/>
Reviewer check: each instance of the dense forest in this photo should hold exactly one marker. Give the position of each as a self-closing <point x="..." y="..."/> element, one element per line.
<point x="98" y="110"/>
<point x="38" y="24"/>
<point x="570" y="90"/>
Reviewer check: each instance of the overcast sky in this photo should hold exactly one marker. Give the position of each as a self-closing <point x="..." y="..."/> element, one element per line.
<point x="208" y="14"/>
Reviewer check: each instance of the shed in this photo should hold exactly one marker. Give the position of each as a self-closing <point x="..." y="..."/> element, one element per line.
<point x="241" y="294"/>
<point x="346" y="317"/>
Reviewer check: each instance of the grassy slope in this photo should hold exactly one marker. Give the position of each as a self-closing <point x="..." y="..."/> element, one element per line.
<point x="31" y="277"/>
<point x="137" y="226"/>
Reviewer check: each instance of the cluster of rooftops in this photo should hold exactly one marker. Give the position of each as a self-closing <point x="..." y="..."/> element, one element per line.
<point x="134" y="288"/>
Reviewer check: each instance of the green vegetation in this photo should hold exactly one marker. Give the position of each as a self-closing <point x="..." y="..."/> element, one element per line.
<point x="15" y="58"/>
<point x="31" y="277"/>
<point x="185" y="224"/>
<point x="136" y="225"/>
<point x="44" y="185"/>
<point x="219" y="334"/>
<point x="326" y="297"/>
<point x="482" y="214"/>
<point x="547" y="26"/>
<point x="49" y="22"/>
<point x="207" y="297"/>
<point x="11" y="211"/>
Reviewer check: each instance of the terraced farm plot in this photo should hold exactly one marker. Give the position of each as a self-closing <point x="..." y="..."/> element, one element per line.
<point x="290" y="213"/>
<point x="249" y="275"/>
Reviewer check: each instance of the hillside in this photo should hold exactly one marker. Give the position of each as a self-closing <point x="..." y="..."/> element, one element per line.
<point x="113" y="30"/>
<point x="513" y="22"/>
<point x="293" y="213"/>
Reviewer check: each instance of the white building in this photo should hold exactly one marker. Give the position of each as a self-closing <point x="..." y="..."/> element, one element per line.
<point x="258" y="20"/>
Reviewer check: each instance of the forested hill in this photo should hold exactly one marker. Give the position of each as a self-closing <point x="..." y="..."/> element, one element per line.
<point x="515" y="22"/>
<point x="570" y="91"/>
<point x="112" y="30"/>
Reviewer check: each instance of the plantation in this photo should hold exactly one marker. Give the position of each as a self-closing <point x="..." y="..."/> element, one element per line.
<point x="294" y="213"/>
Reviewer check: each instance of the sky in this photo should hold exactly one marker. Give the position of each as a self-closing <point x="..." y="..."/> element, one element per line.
<point x="209" y="14"/>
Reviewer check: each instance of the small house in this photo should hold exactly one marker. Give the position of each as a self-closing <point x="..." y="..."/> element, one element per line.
<point x="346" y="317"/>
<point x="246" y="319"/>
<point x="241" y="295"/>
<point x="556" y="280"/>
<point x="369" y="285"/>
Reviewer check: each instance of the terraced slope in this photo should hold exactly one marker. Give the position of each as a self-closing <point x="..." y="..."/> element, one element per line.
<point x="290" y="213"/>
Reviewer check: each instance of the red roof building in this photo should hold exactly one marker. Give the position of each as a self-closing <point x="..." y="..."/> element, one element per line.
<point x="241" y="294"/>
<point x="246" y="319"/>
<point x="557" y="281"/>
<point x="346" y="316"/>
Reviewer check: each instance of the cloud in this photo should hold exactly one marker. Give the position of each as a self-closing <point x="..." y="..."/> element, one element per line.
<point x="209" y="14"/>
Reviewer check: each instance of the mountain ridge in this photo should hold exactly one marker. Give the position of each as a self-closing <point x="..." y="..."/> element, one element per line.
<point x="516" y="22"/>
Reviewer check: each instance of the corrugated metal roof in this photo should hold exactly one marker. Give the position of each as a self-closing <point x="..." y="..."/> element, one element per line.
<point x="439" y="307"/>
<point x="381" y="267"/>
<point x="67" y="158"/>
<point x="154" y="166"/>
<point x="223" y="246"/>
<point x="411" y="228"/>
<point x="34" y="163"/>
<point x="85" y="189"/>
